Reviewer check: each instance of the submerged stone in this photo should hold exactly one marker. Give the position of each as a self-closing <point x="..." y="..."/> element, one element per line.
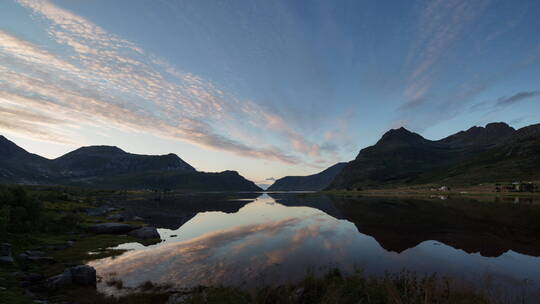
<point x="145" y="233"/>
<point x="112" y="228"/>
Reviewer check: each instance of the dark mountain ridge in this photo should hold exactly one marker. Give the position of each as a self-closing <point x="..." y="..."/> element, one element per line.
<point x="111" y="167"/>
<point x="97" y="160"/>
<point x="315" y="182"/>
<point x="404" y="157"/>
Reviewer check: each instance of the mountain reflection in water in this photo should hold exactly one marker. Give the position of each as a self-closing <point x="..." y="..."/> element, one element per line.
<point x="279" y="239"/>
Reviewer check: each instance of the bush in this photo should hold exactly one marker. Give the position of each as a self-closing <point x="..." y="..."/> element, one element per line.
<point x="55" y="222"/>
<point x="19" y="211"/>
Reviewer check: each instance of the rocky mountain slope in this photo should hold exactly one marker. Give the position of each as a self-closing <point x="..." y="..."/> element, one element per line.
<point x="111" y="167"/>
<point x="315" y="182"/>
<point x="496" y="152"/>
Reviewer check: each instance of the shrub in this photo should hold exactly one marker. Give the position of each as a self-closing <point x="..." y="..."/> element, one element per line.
<point x="19" y="211"/>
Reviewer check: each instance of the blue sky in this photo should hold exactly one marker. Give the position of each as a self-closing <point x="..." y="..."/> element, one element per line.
<point x="267" y="88"/>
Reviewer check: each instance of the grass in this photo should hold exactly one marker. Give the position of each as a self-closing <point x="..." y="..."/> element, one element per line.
<point x="61" y="221"/>
<point x="333" y="288"/>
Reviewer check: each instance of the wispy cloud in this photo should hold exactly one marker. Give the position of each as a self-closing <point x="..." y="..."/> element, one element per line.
<point x="88" y="76"/>
<point x="429" y="95"/>
<point x="505" y="101"/>
<point x="518" y="97"/>
<point x="441" y="24"/>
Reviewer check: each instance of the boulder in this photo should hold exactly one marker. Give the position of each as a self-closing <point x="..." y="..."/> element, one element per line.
<point x="112" y="228"/>
<point x="137" y="219"/>
<point x="116" y="217"/>
<point x="6" y="260"/>
<point x="36" y="256"/>
<point x="81" y="275"/>
<point x="5" y="249"/>
<point x="60" y="281"/>
<point x="5" y="254"/>
<point x="43" y="259"/>
<point x="178" y="298"/>
<point x="99" y="211"/>
<point x="35" y="253"/>
<point x="145" y="233"/>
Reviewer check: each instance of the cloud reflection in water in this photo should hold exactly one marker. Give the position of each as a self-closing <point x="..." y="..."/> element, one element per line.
<point x="271" y="244"/>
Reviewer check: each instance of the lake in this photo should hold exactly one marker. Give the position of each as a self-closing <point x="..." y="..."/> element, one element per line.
<point x="253" y="240"/>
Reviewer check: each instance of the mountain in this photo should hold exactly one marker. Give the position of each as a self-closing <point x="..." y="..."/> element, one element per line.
<point x="18" y="165"/>
<point x="514" y="158"/>
<point x="179" y="180"/>
<point x="313" y="182"/>
<point x="112" y="168"/>
<point x="496" y="152"/>
<point x="99" y="160"/>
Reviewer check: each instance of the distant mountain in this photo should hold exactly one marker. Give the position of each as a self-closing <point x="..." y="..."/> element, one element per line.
<point x="516" y="157"/>
<point x="180" y="180"/>
<point x="112" y="168"/>
<point x="496" y="152"/>
<point x="99" y="160"/>
<point x="18" y="165"/>
<point x="313" y="182"/>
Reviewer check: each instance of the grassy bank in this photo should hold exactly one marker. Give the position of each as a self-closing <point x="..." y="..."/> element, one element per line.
<point x="50" y="220"/>
<point x="403" y="288"/>
<point x="477" y="190"/>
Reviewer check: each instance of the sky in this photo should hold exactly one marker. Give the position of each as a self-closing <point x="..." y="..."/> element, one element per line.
<point x="267" y="88"/>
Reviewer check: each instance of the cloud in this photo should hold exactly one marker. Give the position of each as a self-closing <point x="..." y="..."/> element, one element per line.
<point x="88" y="76"/>
<point x="504" y="101"/>
<point x="518" y="97"/>
<point x="270" y="179"/>
<point x="441" y="24"/>
<point x="441" y="27"/>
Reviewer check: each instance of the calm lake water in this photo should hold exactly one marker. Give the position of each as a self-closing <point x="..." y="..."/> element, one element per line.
<point x="278" y="238"/>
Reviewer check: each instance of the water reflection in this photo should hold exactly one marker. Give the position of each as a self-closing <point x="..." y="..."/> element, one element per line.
<point x="277" y="240"/>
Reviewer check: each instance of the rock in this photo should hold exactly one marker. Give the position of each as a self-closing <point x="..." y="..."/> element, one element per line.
<point x="5" y="249"/>
<point x="178" y="298"/>
<point x="60" y="281"/>
<point x="5" y="254"/>
<point x="36" y="256"/>
<point x="99" y="211"/>
<point x="112" y="228"/>
<point x="6" y="260"/>
<point x="44" y="260"/>
<point x="83" y="275"/>
<point x="297" y="294"/>
<point x="25" y="284"/>
<point x="32" y="277"/>
<point x="145" y="233"/>
<point x="137" y="219"/>
<point x="116" y="217"/>
<point x="34" y="253"/>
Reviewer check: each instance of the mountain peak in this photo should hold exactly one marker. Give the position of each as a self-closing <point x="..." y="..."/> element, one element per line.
<point x="100" y="149"/>
<point x="489" y="134"/>
<point x="9" y="148"/>
<point x="401" y="134"/>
